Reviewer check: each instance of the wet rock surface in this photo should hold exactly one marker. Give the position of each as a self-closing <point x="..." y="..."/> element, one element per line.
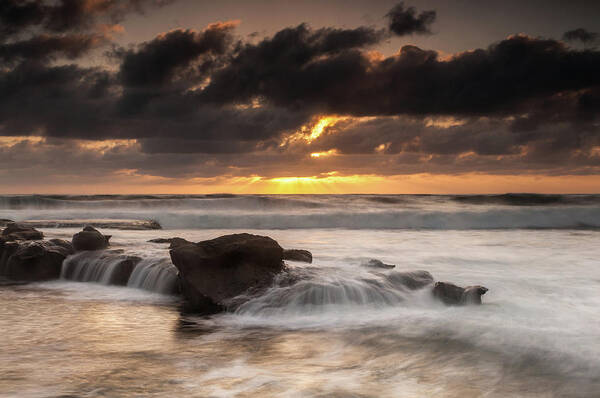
<point x="374" y="263"/>
<point x="456" y="295"/>
<point x="33" y="260"/>
<point x="173" y="242"/>
<point x="215" y="271"/>
<point x="16" y="231"/>
<point x="297" y="255"/>
<point x="90" y="239"/>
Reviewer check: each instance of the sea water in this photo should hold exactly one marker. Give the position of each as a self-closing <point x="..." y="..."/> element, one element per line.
<point x="342" y="329"/>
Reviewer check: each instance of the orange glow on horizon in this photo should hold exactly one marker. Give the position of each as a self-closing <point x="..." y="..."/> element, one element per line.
<point x="330" y="152"/>
<point x="130" y="182"/>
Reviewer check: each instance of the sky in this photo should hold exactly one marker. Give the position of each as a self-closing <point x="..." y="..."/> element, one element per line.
<point x="330" y="96"/>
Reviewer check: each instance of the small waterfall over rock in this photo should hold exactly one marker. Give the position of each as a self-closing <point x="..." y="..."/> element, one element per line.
<point x="110" y="268"/>
<point x="157" y="275"/>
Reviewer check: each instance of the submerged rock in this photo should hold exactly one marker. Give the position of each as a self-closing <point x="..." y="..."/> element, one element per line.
<point x="90" y="239"/>
<point x="213" y="272"/>
<point x="174" y="242"/>
<point x="33" y="261"/>
<point x="374" y="263"/>
<point x="413" y="280"/>
<point x="15" y="231"/>
<point x="297" y="255"/>
<point x="160" y="240"/>
<point x="456" y="295"/>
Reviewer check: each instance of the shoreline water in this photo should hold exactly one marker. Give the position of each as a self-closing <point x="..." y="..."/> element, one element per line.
<point x="535" y="335"/>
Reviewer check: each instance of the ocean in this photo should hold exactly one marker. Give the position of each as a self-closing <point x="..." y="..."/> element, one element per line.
<point x="343" y="329"/>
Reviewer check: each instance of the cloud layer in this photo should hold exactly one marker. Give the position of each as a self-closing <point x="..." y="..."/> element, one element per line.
<point x="205" y="103"/>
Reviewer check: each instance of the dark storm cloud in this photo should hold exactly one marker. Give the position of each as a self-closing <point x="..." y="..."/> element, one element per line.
<point x="289" y="65"/>
<point x="44" y="47"/>
<point x="41" y="31"/>
<point x="522" y="101"/>
<point x="57" y="101"/>
<point x="156" y="61"/>
<point x="404" y="20"/>
<point x="73" y="102"/>
<point x="493" y="80"/>
<point x="581" y="35"/>
<point x="184" y="55"/>
<point x="17" y="16"/>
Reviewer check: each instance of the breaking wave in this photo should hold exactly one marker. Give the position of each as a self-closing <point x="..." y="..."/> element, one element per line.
<point x="429" y="212"/>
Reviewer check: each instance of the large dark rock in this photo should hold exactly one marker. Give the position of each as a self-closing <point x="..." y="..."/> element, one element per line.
<point x="456" y="295"/>
<point x="90" y="239"/>
<point x="215" y="271"/>
<point x="297" y="255"/>
<point x="33" y="261"/>
<point x="15" y="231"/>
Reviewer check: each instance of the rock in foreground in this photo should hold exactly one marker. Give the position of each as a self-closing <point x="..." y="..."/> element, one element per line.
<point x="213" y="272"/>
<point x="90" y="239"/>
<point x="33" y="261"/>
<point x="456" y="295"/>
<point x="15" y="231"/>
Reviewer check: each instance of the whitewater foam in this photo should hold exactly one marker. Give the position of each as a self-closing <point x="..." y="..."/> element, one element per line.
<point x="315" y="211"/>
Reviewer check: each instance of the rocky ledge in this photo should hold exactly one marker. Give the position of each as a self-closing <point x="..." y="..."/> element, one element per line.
<point x="25" y="257"/>
<point x="214" y="275"/>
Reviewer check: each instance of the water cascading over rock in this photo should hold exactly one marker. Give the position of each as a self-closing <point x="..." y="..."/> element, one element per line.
<point x="113" y="268"/>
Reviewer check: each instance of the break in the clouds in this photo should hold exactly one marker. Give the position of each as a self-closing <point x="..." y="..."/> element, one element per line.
<point x="208" y="102"/>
